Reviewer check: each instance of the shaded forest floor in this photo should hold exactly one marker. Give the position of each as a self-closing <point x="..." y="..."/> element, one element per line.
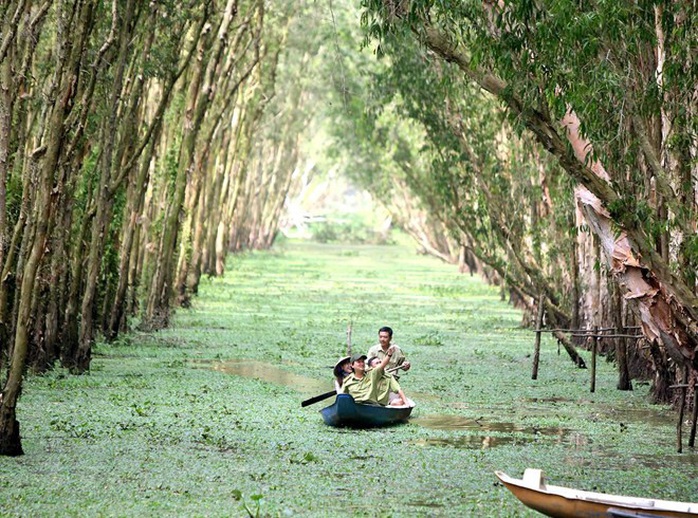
<point x="204" y="419"/>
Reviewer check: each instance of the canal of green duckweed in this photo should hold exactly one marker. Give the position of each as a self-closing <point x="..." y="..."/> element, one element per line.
<point x="483" y="439"/>
<point x="479" y="434"/>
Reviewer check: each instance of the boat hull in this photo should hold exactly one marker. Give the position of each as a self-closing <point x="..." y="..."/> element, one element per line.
<point x="562" y="502"/>
<point x="346" y="412"/>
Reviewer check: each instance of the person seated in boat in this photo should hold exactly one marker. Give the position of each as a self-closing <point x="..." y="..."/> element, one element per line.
<point x="372" y="386"/>
<point x="394" y="398"/>
<point x="341" y="370"/>
<point x="380" y="350"/>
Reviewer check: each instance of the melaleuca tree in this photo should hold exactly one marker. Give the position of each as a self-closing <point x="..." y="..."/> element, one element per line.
<point x="606" y="89"/>
<point x="510" y="205"/>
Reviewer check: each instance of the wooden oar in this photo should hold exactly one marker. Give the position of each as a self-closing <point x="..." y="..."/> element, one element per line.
<point x="331" y="393"/>
<point x="318" y="398"/>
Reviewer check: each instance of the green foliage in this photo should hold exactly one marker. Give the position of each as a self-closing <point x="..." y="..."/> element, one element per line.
<point x="606" y="62"/>
<point x="72" y="429"/>
<point x="324" y="232"/>
<point x="349" y="231"/>
<point x="467" y="165"/>
<point x="173" y="20"/>
<point x="630" y="210"/>
<point x="690" y="253"/>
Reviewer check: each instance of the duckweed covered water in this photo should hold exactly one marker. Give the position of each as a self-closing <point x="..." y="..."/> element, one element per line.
<point x="204" y="419"/>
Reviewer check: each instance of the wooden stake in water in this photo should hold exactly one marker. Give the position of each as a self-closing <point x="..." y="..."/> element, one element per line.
<point x="692" y="436"/>
<point x="682" y="405"/>
<point x="536" y="349"/>
<point x="594" y="348"/>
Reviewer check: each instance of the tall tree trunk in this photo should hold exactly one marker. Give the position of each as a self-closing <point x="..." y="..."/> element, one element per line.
<point x="621" y="352"/>
<point x="104" y="196"/>
<point x="129" y="242"/>
<point x="13" y="263"/>
<point x="130" y="260"/>
<point x="67" y="70"/>
<point x="576" y="295"/>
<point x="236" y="166"/>
<point x="10" y="441"/>
<point x="235" y="72"/>
<point x="6" y="96"/>
<point x="71" y="331"/>
<point x="156" y="314"/>
<point x="214" y="202"/>
<point x="200" y="96"/>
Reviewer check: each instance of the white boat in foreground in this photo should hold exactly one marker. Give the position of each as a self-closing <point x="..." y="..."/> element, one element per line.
<point x="564" y="502"/>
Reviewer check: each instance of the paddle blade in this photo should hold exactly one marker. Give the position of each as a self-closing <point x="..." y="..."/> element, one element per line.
<point x="318" y="398"/>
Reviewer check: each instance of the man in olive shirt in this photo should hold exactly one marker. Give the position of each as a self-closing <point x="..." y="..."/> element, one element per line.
<point x="385" y="335"/>
<point x="373" y="386"/>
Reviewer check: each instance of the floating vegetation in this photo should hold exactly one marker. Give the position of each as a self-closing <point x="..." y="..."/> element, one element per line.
<point x="204" y="418"/>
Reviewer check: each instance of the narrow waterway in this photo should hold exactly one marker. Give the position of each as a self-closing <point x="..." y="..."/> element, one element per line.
<point x="467" y="433"/>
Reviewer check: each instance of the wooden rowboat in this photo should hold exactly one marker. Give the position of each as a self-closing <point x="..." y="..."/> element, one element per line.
<point x="346" y="412"/>
<point x="563" y="502"/>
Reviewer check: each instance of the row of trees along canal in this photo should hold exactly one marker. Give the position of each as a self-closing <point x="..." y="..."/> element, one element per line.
<point x="551" y="148"/>
<point x="140" y="142"/>
<point x="552" y="152"/>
